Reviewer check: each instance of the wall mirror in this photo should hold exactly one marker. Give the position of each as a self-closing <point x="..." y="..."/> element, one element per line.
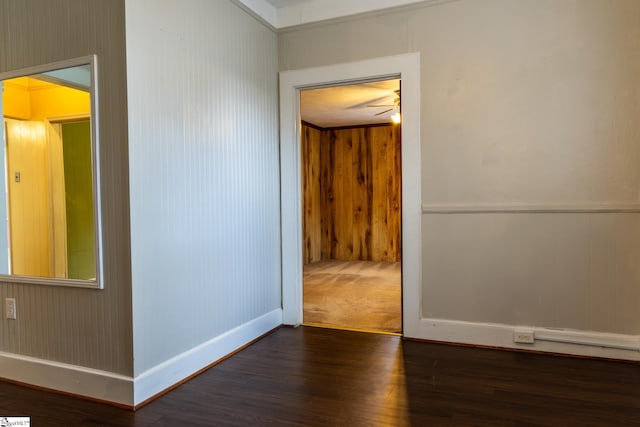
<point x="49" y="212"/>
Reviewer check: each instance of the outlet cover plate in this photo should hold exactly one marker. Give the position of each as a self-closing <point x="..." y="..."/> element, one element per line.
<point x="524" y="336"/>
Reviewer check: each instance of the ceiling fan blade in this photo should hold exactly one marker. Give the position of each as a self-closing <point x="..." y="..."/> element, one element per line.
<point x="385" y="111"/>
<point x="369" y="102"/>
<point x="381" y="105"/>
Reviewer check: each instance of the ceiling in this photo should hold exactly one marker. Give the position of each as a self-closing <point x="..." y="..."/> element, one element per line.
<point x="349" y="105"/>
<point x="289" y="13"/>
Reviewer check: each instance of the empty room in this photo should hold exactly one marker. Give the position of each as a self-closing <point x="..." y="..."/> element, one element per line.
<point x="507" y="212"/>
<point x="352" y="205"/>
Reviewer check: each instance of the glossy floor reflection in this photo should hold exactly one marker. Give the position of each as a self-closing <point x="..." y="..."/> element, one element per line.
<point x="324" y="377"/>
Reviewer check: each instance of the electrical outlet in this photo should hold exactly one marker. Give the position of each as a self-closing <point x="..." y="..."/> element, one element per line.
<point x="524" y="336"/>
<point x="10" y="308"/>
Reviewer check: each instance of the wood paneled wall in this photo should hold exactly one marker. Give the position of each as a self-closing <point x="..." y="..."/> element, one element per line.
<point x="311" y="141"/>
<point x="351" y="193"/>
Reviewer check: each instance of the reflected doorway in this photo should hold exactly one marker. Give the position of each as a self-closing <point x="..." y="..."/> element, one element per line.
<point x="50" y="198"/>
<point x="351" y="185"/>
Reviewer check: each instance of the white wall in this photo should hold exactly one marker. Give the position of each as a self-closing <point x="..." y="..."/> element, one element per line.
<point x="202" y="90"/>
<point x="530" y="159"/>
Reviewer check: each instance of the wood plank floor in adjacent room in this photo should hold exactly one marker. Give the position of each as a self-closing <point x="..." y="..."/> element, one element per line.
<point x="353" y="294"/>
<point x="322" y="377"/>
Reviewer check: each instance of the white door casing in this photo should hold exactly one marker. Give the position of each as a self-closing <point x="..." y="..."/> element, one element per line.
<point x="407" y="68"/>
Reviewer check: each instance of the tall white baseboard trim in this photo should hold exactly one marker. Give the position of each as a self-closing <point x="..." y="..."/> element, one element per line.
<point x="579" y="343"/>
<point x="172" y="371"/>
<point x="124" y="390"/>
<point x="77" y="380"/>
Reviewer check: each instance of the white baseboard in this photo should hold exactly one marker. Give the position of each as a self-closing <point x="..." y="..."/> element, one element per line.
<point x="67" y="378"/>
<point x="578" y="343"/>
<point x="127" y="391"/>
<point x="172" y="371"/>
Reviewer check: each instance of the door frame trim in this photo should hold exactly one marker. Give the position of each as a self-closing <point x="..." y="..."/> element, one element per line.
<point x="407" y="68"/>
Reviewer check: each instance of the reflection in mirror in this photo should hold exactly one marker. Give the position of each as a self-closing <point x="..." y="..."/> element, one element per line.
<point x="50" y="181"/>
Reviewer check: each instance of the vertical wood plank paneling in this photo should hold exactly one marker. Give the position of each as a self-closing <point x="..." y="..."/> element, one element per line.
<point x="380" y="219"/>
<point x="327" y="154"/>
<point x="312" y="222"/>
<point x="343" y="202"/>
<point x="205" y="213"/>
<point x="360" y="194"/>
<point x="89" y="328"/>
<point x="393" y="186"/>
<point x="394" y="164"/>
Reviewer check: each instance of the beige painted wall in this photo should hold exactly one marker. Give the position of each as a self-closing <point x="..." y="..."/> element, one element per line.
<point x="88" y="328"/>
<point x="526" y="107"/>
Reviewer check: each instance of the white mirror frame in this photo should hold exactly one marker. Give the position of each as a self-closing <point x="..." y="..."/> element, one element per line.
<point x="98" y="283"/>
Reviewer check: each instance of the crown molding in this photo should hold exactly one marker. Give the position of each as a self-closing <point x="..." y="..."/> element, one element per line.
<point x="311" y="11"/>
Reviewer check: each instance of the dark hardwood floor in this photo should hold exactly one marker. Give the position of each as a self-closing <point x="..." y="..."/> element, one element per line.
<point x="322" y="377"/>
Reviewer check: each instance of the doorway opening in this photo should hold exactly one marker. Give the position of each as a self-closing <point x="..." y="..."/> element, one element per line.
<point x="407" y="68"/>
<point x="351" y="206"/>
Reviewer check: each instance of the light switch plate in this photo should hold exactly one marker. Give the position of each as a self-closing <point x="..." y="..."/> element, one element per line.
<point x="10" y="308"/>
